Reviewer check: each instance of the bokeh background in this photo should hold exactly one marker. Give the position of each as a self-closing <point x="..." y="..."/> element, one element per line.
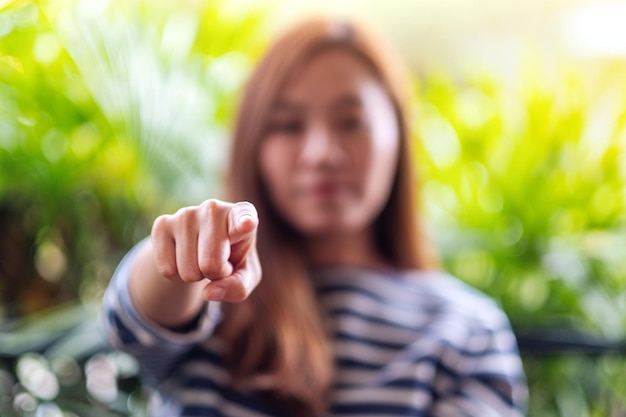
<point x="112" y="112"/>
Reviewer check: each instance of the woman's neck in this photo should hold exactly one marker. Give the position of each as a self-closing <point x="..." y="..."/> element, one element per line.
<point x="357" y="249"/>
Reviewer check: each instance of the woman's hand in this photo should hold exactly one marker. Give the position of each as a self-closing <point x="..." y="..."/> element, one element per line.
<point x="215" y="240"/>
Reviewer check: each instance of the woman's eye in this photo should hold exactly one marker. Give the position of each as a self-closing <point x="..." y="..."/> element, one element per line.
<point x="287" y="127"/>
<point x="350" y="124"/>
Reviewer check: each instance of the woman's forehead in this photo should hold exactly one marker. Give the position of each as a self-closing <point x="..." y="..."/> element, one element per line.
<point x="336" y="77"/>
<point x="333" y="66"/>
<point x="340" y="100"/>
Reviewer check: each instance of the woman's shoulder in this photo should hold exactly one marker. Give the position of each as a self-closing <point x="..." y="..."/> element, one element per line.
<point x="452" y="296"/>
<point x="434" y="293"/>
<point x="442" y="286"/>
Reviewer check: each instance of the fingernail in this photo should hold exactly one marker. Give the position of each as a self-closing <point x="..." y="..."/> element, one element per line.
<point x="245" y="217"/>
<point x="216" y="294"/>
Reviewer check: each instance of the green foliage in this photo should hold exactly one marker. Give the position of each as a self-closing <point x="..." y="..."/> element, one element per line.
<point x="528" y="179"/>
<point x="58" y="365"/>
<point x="576" y="385"/>
<point x="110" y="113"/>
<point x="526" y="182"/>
<point x="56" y="170"/>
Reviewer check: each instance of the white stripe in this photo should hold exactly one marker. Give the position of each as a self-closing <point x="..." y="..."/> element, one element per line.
<point x="360" y="327"/>
<point x="346" y="349"/>
<point x="411" y="397"/>
<point x="459" y="406"/>
<point x="422" y="371"/>
<point x="384" y="293"/>
<point x="497" y="363"/>
<point x="503" y="340"/>
<point x="211" y="399"/>
<point x="376" y="309"/>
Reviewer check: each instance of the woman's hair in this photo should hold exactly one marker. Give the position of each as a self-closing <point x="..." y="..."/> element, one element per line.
<point x="276" y="340"/>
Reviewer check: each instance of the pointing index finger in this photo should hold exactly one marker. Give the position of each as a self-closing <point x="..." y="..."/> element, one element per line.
<point x="242" y="221"/>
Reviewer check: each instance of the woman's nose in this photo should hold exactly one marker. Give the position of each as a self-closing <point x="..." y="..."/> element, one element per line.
<point x="320" y="147"/>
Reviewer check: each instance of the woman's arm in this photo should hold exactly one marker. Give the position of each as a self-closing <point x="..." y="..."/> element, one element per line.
<point x="169" y="303"/>
<point x="155" y="305"/>
<point x="200" y="253"/>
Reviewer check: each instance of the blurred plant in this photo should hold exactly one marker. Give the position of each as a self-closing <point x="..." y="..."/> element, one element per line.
<point x="52" y="198"/>
<point x="165" y="76"/>
<point x="526" y="184"/>
<point x="110" y="113"/>
<point x="59" y="366"/>
<point x="532" y="188"/>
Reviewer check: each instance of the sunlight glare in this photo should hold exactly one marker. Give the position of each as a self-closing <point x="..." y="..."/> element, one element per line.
<point x="596" y="30"/>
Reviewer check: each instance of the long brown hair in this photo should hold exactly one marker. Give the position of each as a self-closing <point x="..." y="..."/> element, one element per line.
<point x="276" y="340"/>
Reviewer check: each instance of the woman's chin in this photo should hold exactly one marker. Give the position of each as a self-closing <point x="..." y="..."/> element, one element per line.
<point x="326" y="227"/>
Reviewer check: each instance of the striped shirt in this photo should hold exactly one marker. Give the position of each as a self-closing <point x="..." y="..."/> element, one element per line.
<point x="405" y="343"/>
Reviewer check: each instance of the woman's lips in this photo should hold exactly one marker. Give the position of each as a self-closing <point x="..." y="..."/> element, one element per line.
<point x="324" y="189"/>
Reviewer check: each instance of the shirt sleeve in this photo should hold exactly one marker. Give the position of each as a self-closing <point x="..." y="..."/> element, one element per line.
<point x="156" y="348"/>
<point x="489" y="377"/>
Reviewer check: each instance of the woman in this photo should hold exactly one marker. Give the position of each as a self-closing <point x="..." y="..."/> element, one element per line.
<point x="348" y="318"/>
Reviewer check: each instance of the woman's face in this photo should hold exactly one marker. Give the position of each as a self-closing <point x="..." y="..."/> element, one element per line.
<point x="330" y="151"/>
